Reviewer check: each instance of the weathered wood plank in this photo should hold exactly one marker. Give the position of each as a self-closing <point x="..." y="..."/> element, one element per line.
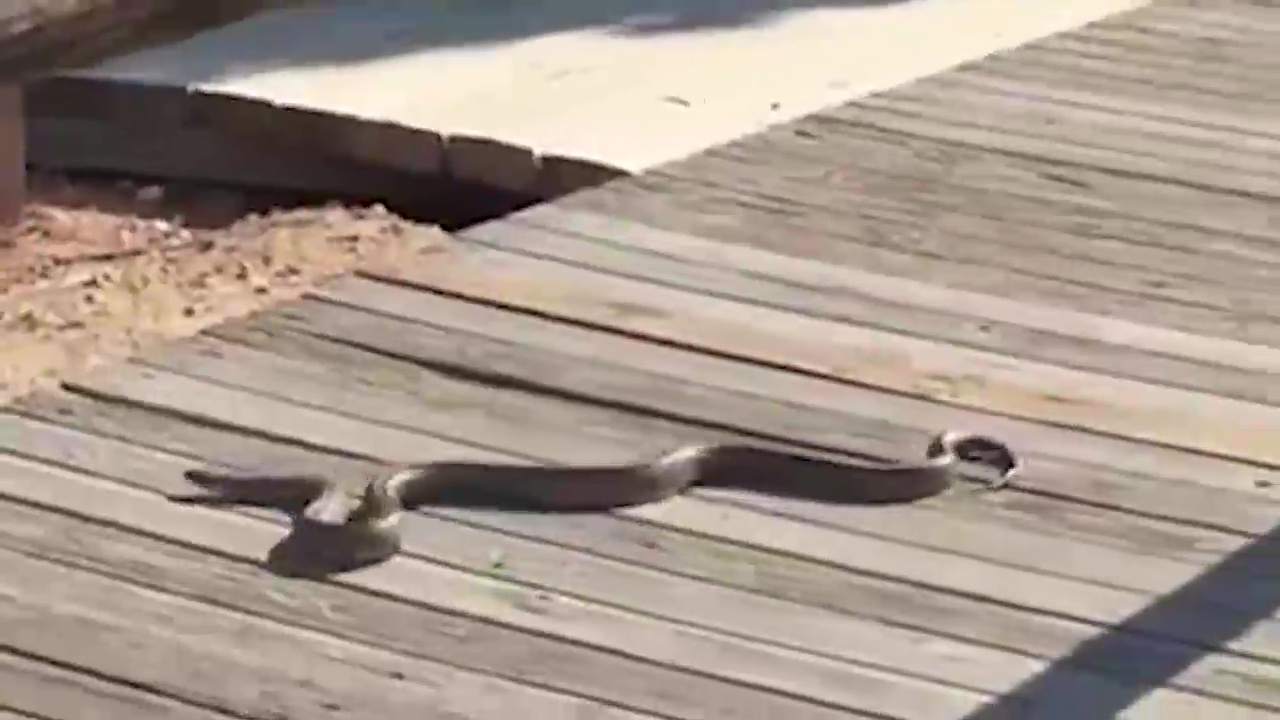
<point x="1186" y="32"/>
<point x="850" y="687"/>
<point x="717" y="392"/>
<point x="399" y="394"/>
<point x="591" y="230"/>
<point x="39" y="691"/>
<point x="1159" y="58"/>
<point x="771" y="575"/>
<point x="1045" y="515"/>
<point x="826" y="632"/>
<point x="880" y="169"/>
<point x="1214" y="51"/>
<point x="952" y="615"/>
<point x="776" y="576"/>
<point x="1096" y="84"/>
<point x="188" y="396"/>
<point x="240" y="664"/>
<point x="703" y="414"/>
<point x="954" y="573"/>
<point x="991" y="125"/>
<point x="959" y="236"/>
<point x="956" y="233"/>
<point x="389" y="391"/>
<point x="822" y="631"/>
<point x="1166" y="20"/>
<point x="777" y="223"/>
<point x="1062" y="57"/>
<point x="162" y="389"/>
<point x="1194" y="145"/>
<point x="232" y="580"/>
<point x="397" y="386"/>
<point x="977" y="320"/>
<point x="957" y="376"/>
<point x="1241" y="16"/>
<point x="388" y="388"/>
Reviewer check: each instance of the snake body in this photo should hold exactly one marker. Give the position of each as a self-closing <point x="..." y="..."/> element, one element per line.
<point x="337" y="531"/>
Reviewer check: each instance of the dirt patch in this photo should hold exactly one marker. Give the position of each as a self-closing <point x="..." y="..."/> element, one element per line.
<point x="98" y="270"/>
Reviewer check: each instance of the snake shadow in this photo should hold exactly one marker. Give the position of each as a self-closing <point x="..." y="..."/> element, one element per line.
<point x="308" y="550"/>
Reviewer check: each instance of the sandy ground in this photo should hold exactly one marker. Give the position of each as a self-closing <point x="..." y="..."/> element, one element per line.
<point x="98" y="270"/>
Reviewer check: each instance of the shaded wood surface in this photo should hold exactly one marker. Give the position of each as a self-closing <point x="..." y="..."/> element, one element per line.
<point x="844" y="285"/>
<point x="38" y="37"/>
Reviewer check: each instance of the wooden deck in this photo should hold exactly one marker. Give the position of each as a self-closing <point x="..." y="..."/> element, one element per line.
<point x="1075" y="245"/>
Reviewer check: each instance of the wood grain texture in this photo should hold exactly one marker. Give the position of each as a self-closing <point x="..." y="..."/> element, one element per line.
<point x="1103" y="85"/>
<point x="701" y="411"/>
<point x="35" y="690"/>
<point x="370" y="619"/>
<point x="848" y="294"/>
<point x="646" y="545"/>
<point x="502" y="431"/>
<point x="844" y="686"/>
<point x="901" y="364"/>
<point x="1066" y="464"/>
<point x="485" y="416"/>
<point x="1066" y="212"/>
<point x="237" y="663"/>
<point x="386" y="441"/>
<point x="789" y="225"/>
<point x="476" y="549"/>
<point x="1076" y="134"/>
<point x="661" y="414"/>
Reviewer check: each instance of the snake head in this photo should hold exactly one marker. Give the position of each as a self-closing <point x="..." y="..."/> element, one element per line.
<point x="983" y="450"/>
<point x="979" y="450"/>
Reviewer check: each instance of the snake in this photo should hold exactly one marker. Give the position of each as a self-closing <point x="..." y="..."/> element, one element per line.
<point x="334" y="530"/>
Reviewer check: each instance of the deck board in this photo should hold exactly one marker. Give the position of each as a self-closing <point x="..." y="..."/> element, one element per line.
<point x="375" y="620"/>
<point x="560" y="437"/>
<point x="1085" y="272"/>
<point x="956" y="376"/>
<point x="431" y="541"/>
<point x="1066" y="336"/>
<point x="43" y="690"/>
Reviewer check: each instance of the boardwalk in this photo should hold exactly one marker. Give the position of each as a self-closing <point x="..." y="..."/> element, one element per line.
<point x="1074" y="246"/>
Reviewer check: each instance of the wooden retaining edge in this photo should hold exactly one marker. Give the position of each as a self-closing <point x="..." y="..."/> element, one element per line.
<point x="938" y="371"/>
<point x="122" y="112"/>
<point x="13" y="155"/>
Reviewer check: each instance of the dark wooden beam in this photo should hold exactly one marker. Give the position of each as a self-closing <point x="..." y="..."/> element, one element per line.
<point x="38" y="37"/>
<point x="43" y="37"/>
<point x="13" y="154"/>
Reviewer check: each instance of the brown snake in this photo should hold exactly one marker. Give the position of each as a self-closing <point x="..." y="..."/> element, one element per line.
<point x="335" y="531"/>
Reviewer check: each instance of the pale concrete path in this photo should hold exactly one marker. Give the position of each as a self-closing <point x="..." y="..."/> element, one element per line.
<point x="628" y="84"/>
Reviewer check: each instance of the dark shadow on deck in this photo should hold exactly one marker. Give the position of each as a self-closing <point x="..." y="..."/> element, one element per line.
<point x="348" y="31"/>
<point x="1182" y="612"/>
